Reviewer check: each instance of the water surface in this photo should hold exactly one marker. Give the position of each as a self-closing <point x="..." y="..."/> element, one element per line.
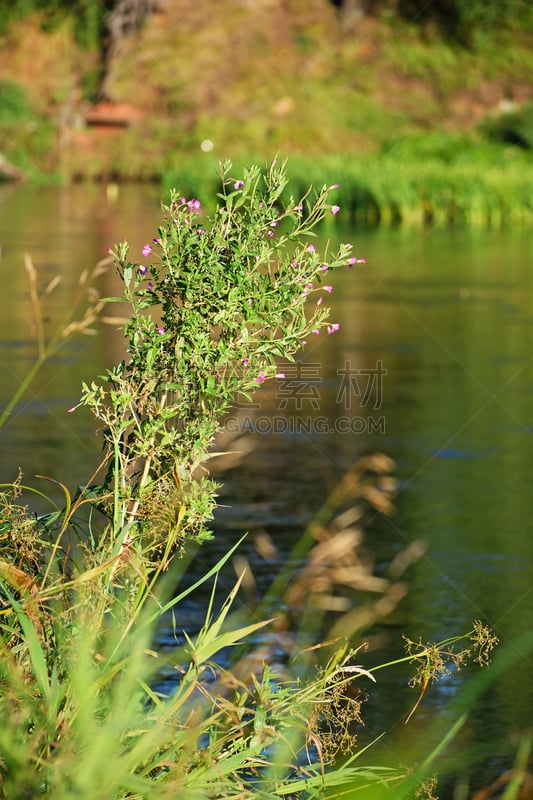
<point x="448" y="316"/>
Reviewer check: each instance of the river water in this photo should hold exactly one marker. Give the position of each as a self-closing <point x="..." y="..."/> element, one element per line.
<point x="437" y="328"/>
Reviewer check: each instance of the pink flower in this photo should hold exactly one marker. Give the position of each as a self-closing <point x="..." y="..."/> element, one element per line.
<point x="304" y="342"/>
<point x="147" y="249"/>
<point x="143" y="270"/>
<point x="161" y="331"/>
<point x="194" y="205"/>
<point x="334" y="186"/>
<point x="298" y="208"/>
<point x="245" y="361"/>
<point x="260" y="378"/>
<point x="311" y="248"/>
<point x="328" y="289"/>
<point x="238" y="184"/>
<point x="335" y="210"/>
<point x="280" y="375"/>
<point x="323" y="268"/>
<point x="333" y="328"/>
<point x="352" y="261"/>
<point x="320" y="301"/>
<point x="316" y="331"/>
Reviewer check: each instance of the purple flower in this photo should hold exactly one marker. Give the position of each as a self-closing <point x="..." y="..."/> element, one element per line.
<point x="147" y="249"/>
<point x="156" y="241"/>
<point x="335" y="210"/>
<point x="328" y="289"/>
<point x="260" y="378"/>
<point x="238" y="184"/>
<point x="270" y="234"/>
<point x="194" y="205"/>
<point x="143" y="270"/>
<point x="333" y="328"/>
<point x="150" y="286"/>
<point x="161" y="331"/>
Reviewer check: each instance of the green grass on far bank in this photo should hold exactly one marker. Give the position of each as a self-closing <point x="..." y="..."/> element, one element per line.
<point x="421" y="180"/>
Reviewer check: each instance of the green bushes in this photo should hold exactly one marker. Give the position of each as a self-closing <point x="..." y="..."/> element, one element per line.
<point x="88" y="16"/>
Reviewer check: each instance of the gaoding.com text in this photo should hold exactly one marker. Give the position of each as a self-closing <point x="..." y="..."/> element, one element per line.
<point x="298" y="425"/>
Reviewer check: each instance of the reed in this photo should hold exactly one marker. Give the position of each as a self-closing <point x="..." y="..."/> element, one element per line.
<point x="448" y="182"/>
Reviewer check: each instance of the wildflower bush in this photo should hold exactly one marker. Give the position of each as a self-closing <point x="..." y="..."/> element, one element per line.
<point x="213" y="306"/>
<point x="214" y="303"/>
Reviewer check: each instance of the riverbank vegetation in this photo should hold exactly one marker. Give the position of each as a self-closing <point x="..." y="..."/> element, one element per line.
<point x="253" y="702"/>
<point x="427" y="107"/>
<point x="424" y="180"/>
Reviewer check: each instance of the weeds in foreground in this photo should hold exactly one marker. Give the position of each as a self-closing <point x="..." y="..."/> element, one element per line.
<point x="216" y="303"/>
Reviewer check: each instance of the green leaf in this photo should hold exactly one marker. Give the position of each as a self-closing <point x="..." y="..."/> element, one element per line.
<point x="33" y="643"/>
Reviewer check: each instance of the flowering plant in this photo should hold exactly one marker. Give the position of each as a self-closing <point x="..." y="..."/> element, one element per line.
<point x="216" y="303"/>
